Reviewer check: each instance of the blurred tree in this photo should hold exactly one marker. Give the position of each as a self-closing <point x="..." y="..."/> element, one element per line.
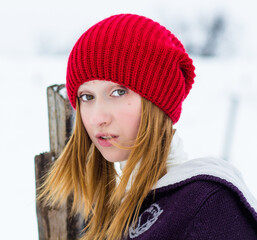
<point x="214" y="34"/>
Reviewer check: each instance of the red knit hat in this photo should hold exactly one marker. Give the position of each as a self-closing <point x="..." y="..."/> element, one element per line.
<point x="135" y="52"/>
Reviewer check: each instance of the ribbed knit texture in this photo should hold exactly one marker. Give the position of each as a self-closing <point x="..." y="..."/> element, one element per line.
<point x="137" y="53"/>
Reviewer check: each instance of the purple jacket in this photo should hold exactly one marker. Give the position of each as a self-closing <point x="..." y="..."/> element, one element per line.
<point x="199" y="199"/>
<point x="200" y="208"/>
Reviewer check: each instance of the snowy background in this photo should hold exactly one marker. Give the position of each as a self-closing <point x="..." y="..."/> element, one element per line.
<point x="219" y="117"/>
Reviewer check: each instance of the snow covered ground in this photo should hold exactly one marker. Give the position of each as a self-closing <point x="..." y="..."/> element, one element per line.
<point x="223" y="86"/>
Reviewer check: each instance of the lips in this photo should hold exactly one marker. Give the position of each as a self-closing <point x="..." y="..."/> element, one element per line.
<point x="105" y="135"/>
<point x="103" y="139"/>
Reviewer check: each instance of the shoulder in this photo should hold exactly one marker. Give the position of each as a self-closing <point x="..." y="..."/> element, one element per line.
<point x="198" y="189"/>
<point x="208" y="208"/>
<point x="196" y="208"/>
<point x="189" y="195"/>
<point x="222" y="215"/>
<point x="212" y="170"/>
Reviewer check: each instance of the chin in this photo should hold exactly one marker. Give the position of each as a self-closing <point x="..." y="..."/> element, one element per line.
<point x="116" y="156"/>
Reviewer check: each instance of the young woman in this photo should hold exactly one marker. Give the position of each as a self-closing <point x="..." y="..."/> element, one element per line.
<point x="127" y="78"/>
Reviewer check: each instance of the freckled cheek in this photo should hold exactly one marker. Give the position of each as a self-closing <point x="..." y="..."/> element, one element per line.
<point x="130" y="120"/>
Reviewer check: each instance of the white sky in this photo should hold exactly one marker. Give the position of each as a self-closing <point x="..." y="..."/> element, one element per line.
<point x="24" y="24"/>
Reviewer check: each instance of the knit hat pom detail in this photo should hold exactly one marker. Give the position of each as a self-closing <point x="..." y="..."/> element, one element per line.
<point x="138" y="53"/>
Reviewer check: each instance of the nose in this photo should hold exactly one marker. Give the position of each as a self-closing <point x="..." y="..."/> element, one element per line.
<point x="101" y="116"/>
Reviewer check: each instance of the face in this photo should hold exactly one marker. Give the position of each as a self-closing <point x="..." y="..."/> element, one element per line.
<point x="110" y="111"/>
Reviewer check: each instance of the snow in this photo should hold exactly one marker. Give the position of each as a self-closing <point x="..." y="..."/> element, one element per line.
<point x="206" y="111"/>
<point x="37" y="38"/>
<point x="63" y="92"/>
<point x="24" y="134"/>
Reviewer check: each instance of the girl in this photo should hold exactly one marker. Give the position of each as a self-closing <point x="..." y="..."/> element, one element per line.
<point x="127" y="78"/>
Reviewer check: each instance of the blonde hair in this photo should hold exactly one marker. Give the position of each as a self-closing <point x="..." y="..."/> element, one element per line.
<point x="82" y="171"/>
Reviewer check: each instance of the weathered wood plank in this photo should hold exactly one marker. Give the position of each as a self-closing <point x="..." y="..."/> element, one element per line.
<point x="61" y="117"/>
<point x="53" y="223"/>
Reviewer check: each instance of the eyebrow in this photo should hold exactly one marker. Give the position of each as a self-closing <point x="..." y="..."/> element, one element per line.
<point x="121" y="86"/>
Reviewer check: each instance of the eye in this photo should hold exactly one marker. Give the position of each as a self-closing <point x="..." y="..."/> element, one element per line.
<point x="86" y="97"/>
<point x="119" y="92"/>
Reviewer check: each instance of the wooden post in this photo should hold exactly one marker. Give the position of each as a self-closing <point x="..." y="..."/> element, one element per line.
<point x="56" y="224"/>
<point x="61" y="118"/>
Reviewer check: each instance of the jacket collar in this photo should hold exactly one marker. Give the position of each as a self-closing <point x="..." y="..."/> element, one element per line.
<point x="180" y="168"/>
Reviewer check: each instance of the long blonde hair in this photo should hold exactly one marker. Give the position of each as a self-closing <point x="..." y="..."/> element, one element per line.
<point x="82" y="171"/>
